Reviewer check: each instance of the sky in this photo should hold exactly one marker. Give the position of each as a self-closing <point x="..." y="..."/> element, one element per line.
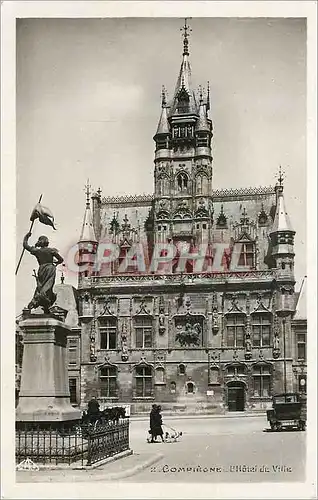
<point x="88" y="104"/>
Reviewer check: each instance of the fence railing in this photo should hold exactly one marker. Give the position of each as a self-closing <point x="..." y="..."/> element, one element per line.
<point x="84" y="445"/>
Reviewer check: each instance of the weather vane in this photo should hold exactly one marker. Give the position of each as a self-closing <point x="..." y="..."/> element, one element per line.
<point x="280" y="176"/>
<point x="87" y="192"/>
<point x="186" y="29"/>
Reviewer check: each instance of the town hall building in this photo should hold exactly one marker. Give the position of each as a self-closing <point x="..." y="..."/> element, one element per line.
<point x="214" y="338"/>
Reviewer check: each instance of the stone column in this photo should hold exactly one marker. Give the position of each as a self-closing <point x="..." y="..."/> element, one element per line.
<point x="44" y="393"/>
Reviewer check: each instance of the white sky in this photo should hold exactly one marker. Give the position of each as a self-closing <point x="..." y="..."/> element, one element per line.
<point x="88" y="104"/>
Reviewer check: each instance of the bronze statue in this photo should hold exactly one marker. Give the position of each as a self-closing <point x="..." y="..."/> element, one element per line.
<point x="48" y="258"/>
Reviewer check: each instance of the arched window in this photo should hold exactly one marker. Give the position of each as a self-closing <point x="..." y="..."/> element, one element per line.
<point x="235" y="326"/>
<point x="108" y="381"/>
<point x="182" y="181"/>
<point x="201" y="184"/>
<point x="261" y="329"/>
<point x="143" y="379"/>
<point x="262" y="376"/>
<point x="190" y="387"/>
<point x="182" y="369"/>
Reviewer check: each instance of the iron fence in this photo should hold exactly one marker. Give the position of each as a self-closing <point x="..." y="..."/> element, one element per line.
<point x="79" y="444"/>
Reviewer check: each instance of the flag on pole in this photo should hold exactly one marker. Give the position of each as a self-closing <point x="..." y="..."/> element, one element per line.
<point x="43" y="214"/>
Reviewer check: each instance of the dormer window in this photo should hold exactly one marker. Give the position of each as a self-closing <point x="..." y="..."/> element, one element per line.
<point x="247" y="255"/>
<point x="183" y="102"/>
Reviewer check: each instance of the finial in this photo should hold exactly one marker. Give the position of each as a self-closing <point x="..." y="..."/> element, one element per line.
<point x="200" y="94"/>
<point x="280" y="177"/>
<point x="163" y="96"/>
<point x="208" y="97"/>
<point x="99" y="192"/>
<point x="185" y="35"/>
<point x="88" y="192"/>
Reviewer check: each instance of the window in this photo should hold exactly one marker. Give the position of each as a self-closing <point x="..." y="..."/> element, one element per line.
<point x="261" y="380"/>
<point x="190" y="387"/>
<point x="143" y="377"/>
<point x="108" y="333"/>
<point x="172" y="387"/>
<point x="235" y="325"/>
<point x="247" y="255"/>
<point x="159" y="376"/>
<point x="204" y="226"/>
<point x="73" y="390"/>
<point x="108" y="381"/>
<point x="182" y="181"/>
<point x="143" y="331"/>
<point x="72" y="352"/>
<point x="301" y="346"/>
<point x="261" y="330"/>
<point x="182" y="369"/>
<point x="235" y="370"/>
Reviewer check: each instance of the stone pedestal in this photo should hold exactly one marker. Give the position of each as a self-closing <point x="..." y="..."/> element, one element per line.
<point x="44" y="391"/>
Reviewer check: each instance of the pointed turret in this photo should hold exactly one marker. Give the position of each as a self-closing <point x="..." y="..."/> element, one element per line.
<point x="202" y="124"/>
<point x="162" y="135"/>
<point x="184" y="100"/>
<point x="87" y="244"/>
<point x="203" y="129"/>
<point x="282" y="234"/>
<point x="88" y="232"/>
<point x="163" y="125"/>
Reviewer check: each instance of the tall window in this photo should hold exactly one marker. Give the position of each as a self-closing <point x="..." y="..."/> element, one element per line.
<point x="143" y="331"/>
<point x="235" y="324"/>
<point x="247" y="255"/>
<point x="108" y="334"/>
<point x="73" y="390"/>
<point x="301" y="346"/>
<point x="143" y="375"/>
<point x="72" y="352"/>
<point x="108" y="381"/>
<point x="261" y="329"/>
<point x="261" y="380"/>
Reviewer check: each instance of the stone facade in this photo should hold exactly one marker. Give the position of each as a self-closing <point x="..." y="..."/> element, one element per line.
<point x="217" y="339"/>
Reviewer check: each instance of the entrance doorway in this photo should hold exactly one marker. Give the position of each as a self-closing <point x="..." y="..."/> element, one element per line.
<point x="236" y="396"/>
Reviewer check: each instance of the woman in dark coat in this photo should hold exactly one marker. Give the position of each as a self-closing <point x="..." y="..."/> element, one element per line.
<point x="156" y="423"/>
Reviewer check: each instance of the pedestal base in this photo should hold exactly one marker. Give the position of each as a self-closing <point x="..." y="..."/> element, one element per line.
<point x="44" y="391"/>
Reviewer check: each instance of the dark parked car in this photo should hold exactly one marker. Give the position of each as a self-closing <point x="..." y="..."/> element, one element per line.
<point x="289" y="410"/>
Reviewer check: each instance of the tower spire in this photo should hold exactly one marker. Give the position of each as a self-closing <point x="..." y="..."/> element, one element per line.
<point x="186" y="29"/>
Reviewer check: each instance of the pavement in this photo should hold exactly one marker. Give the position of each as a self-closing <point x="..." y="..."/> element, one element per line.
<point x="216" y="449"/>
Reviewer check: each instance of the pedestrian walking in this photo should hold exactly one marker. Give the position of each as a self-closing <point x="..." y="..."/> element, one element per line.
<point x="156" y="423"/>
<point x="93" y="410"/>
